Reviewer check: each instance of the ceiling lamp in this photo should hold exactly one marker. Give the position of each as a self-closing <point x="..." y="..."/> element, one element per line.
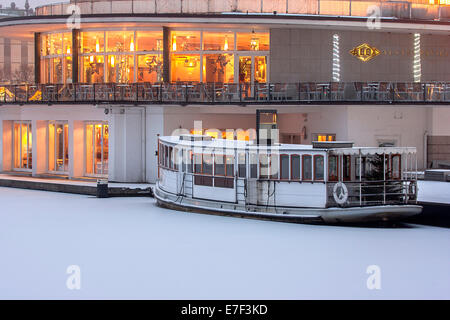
<point x="254" y="42"/>
<point x="225" y="45"/>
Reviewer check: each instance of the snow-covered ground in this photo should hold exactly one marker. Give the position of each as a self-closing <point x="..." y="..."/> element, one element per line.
<point x="434" y="191"/>
<point x="130" y="248"/>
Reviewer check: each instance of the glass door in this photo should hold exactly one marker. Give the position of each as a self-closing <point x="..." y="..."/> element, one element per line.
<point x="23" y="155"/>
<point x="58" y="147"/>
<point x="97" y="145"/>
<point x="252" y="70"/>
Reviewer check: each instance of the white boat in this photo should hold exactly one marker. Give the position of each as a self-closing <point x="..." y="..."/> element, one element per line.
<point x="327" y="182"/>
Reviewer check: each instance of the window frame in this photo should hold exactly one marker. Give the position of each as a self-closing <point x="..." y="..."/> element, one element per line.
<point x="323" y="167"/>
<point x="303" y="167"/>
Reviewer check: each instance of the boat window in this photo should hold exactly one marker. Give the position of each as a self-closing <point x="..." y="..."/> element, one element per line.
<point x="230" y="166"/>
<point x="175" y="158"/>
<point x="284" y="167"/>
<point x="307" y="167"/>
<point x="264" y="166"/>
<point x="197" y="163"/>
<point x="207" y="164"/>
<point x="253" y="165"/>
<point x="166" y="155"/>
<point x="160" y="154"/>
<point x="295" y="167"/>
<point x="183" y="160"/>
<point x="242" y="172"/>
<point x="274" y="166"/>
<point x="347" y="175"/>
<point x="171" y="157"/>
<point x="318" y="167"/>
<point x="333" y="168"/>
<point x="396" y="166"/>
<point x="219" y="165"/>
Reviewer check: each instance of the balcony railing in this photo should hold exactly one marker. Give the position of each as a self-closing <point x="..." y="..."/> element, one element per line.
<point x="229" y="93"/>
<point x="412" y="9"/>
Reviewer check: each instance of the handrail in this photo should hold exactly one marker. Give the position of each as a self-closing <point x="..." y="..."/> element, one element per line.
<point x="229" y="93"/>
<point x="411" y="9"/>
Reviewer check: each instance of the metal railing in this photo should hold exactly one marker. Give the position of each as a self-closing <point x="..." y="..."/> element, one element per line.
<point x="412" y="9"/>
<point x="372" y="193"/>
<point x="229" y="93"/>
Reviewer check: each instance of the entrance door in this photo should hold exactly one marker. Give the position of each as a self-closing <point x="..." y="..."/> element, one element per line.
<point x="58" y="147"/>
<point x="23" y="146"/>
<point x="97" y="146"/>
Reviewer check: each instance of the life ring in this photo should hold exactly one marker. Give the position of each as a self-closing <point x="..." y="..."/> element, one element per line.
<point x="340" y="193"/>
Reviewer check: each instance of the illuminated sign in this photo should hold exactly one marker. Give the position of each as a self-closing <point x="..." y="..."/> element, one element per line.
<point x="365" y="52"/>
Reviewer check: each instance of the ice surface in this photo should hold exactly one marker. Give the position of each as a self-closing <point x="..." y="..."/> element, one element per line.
<point x="130" y="248"/>
<point x="434" y="191"/>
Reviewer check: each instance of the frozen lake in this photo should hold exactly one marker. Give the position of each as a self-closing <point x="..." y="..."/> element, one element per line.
<point x="130" y="248"/>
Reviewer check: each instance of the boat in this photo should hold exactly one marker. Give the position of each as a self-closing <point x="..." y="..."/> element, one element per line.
<point x="325" y="182"/>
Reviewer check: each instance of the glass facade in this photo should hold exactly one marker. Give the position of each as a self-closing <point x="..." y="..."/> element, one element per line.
<point x="56" y="55"/>
<point x="22" y="142"/>
<point x="58" y="147"/>
<point x="97" y="149"/>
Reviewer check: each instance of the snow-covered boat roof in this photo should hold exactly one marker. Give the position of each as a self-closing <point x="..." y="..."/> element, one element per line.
<point x="200" y="141"/>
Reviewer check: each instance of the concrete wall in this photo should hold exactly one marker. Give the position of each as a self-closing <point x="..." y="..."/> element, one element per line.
<point x="307" y="54"/>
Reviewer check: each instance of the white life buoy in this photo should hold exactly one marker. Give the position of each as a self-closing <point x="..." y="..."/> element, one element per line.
<point x="340" y="193"/>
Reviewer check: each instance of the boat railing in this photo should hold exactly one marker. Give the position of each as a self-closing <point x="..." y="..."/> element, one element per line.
<point x="371" y="193"/>
<point x="228" y="93"/>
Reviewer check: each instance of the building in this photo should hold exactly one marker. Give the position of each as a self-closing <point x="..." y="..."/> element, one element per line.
<point x="110" y="76"/>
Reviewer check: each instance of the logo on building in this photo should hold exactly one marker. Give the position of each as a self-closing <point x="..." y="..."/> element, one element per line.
<point x="365" y="52"/>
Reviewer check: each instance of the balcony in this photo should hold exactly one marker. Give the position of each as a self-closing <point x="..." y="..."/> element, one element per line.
<point x="303" y="93"/>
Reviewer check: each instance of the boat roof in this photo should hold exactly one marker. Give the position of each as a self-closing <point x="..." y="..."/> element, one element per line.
<point x="201" y="141"/>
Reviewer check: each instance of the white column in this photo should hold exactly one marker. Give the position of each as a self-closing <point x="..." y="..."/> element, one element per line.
<point x="39" y="147"/>
<point x="154" y="125"/>
<point x="77" y="148"/>
<point x="6" y="150"/>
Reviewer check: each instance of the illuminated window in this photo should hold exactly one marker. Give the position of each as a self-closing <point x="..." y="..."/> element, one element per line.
<point x="120" y="41"/>
<point x="185" y="68"/>
<point x="92" y="69"/>
<point x="23" y="145"/>
<point x="185" y="41"/>
<point x="218" y="41"/>
<point x="92" y="42"/>
<point x="260" y="69"/>
<point x="56" y="58"/>
<point x="58" y="146"/>
<point x="253" y="41"/>
<point x="322" y="137"/>
<point x="120" y="68"/>
<point x="97" y="146"/>
<point x="218" y="68"/>
<point x="149" y="41"/>
<point x="150" y="68"/>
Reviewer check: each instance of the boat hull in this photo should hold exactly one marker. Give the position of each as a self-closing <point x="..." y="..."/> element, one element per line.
<point x="290" y="214"/>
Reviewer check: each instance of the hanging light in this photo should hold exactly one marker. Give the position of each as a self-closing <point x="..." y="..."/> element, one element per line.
<point x="112" y="61"/>
<point x="174" y="43"/>
<point x="68" y="50"/>
<point x="225" y="45"/>
<point x="132" y="45"/>
<point x="254" y="42"/>
<point x="91" y="59"/>
<point x="97" y="45"/>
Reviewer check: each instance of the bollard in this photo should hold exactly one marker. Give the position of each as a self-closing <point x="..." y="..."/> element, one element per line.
<point x="102" y="188"/>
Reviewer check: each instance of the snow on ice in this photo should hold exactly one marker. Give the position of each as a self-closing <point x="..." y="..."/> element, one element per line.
<point x="129" y="248"/>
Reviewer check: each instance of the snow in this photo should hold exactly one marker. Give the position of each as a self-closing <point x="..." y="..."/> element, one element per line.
<point x="130" y="248"/>
<point x="434" y="191"/>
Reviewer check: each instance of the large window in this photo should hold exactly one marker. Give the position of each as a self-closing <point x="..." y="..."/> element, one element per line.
<point x="56" y="58"/>
<point x="216" y="56"/>
<point x="23" y="145"/>
<point x="58" y="146"/>
<point x="97" y="146"/>
<point x="121" y="56"/>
